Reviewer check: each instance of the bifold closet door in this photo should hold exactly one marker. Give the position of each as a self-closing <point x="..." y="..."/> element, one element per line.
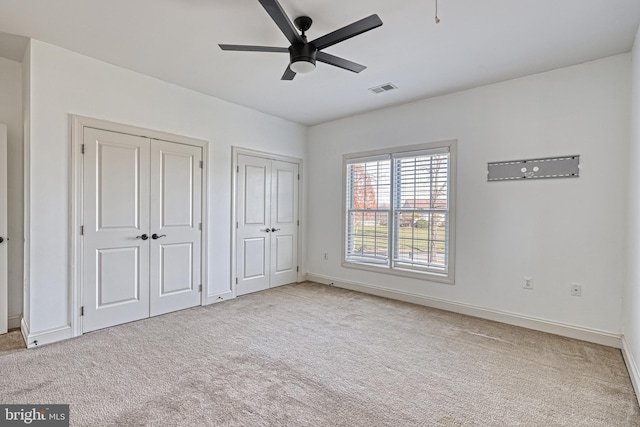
<point x="116" y="227"/>
<point x="142" y="228"/>
<point x="267" y="230"/>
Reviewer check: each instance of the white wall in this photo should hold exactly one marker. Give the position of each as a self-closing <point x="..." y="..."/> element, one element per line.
<point x="64" y="83"/>
<point x="557" y="231"/>
<point x="11" y="115"/>
<point x="631" y="326"/>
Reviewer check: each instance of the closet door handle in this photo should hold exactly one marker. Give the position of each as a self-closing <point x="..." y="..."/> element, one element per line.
<point x="143" y="237"/>
<point x="154" y="236"/>
<point x="266" y="230"/>
<point x="275" y="229"/>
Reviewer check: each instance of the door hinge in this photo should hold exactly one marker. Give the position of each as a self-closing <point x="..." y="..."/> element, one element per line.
<point x="201" y="164"/>
<point x="238" y="169"/>
<point x="82" y="149"/>
<point x="298" y="177"/>
<point x="298" y="269"/>
<point x="82" y="230"/>
<point x="200" y="226"/>
<point x="298" y="223"/>
<point x="200" y="288"/>
<point x="236" y="280"/>
<point x="82" y="311"/>
<point x="236" y="224"/>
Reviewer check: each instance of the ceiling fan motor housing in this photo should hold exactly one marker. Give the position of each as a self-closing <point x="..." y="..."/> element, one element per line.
<point x="303" y="52"/>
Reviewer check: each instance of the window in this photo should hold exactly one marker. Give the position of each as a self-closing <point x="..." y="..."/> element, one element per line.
<point x="399" y="211"/>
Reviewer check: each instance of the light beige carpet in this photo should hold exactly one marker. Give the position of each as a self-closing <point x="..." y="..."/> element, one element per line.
<point x="11" y="341"/>
<point x="314" y="355"/>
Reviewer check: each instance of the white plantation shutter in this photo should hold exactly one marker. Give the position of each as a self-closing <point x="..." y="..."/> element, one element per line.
<point x="368" y="210"/>
<point x="421" y="210"/>
<point x="399" y="211"/>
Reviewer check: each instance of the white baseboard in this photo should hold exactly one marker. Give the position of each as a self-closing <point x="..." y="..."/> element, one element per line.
<point x="223" y="296"/>
<point x="562" y="329"/>
<point x="45" y="337"/>
<point x="632" y="367"/>
<point x="14" y="321"/>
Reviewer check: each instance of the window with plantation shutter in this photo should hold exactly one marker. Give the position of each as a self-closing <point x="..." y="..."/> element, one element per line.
<point x="368" y="193"/>
<point x="399" y="211"/>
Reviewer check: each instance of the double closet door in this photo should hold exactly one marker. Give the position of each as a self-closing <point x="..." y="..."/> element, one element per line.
<point x="267" y="223"/>
<point x="141" y="228"/>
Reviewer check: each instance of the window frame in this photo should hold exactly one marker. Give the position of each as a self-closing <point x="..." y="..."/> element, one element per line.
<point x="391" y="154"/>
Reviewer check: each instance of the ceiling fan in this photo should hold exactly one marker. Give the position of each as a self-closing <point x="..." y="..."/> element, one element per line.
<point x="303" y="54"/>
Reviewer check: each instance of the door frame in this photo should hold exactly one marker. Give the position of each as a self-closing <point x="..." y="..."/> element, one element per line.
<point x="234" y="208"/>
<point x="4" y="247"/>
<point x="78" y="123"/>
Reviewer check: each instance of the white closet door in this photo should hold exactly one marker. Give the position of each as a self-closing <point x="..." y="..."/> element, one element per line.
<point x="176" y="182"/>
<point x="267" y="230"/>
<point x="284" y="227"/>
<point x="116" y="227"/>
<point x="254" y="228"/>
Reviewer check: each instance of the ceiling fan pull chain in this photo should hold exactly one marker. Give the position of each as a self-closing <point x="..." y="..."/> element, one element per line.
<point x="437" y="19"/>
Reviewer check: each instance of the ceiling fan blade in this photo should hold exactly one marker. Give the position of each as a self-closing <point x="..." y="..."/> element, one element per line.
<point x="247" y="48"/>
<point x="281" y="19"/>
<point x="288" y="74"/>
<point x="339" y="62"/>
<point x="351" y="30"/>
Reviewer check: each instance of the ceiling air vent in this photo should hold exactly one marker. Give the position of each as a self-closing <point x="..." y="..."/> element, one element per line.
<point x="383" y="88"/>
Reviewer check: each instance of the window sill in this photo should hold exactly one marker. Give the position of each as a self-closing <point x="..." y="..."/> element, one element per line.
<point x="426" y="276"/>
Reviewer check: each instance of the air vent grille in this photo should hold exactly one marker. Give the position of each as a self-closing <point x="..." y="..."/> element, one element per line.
<point x="383" y="88"/>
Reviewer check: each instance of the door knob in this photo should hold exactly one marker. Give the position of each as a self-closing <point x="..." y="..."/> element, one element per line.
<point x="266" y="230"/>
<point x="1" y="239"/>
<point x="154" y="236"/>
<point x="143" y="237"/>
<point x="275" y="229"/>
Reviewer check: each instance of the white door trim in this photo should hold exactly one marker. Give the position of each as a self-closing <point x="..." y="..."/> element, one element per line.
<point x="234" y="188"/>
<point x="4" y="247"/>
<point x="78" y="123"/>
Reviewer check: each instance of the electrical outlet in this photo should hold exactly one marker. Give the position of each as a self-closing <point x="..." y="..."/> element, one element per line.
<point x="527" y="283"/>
<point x="326" y="256"/>
<point x="576" y="290"/>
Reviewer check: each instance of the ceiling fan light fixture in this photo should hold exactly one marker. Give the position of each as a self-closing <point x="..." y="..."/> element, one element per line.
<point x="303" y="66"/>
<point x="302" y="58"/>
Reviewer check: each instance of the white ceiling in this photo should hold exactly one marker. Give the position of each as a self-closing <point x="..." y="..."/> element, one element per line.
<point x="477" y="42"/>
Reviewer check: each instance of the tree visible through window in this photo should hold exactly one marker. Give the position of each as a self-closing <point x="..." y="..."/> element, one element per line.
<point x="398" y="210"/>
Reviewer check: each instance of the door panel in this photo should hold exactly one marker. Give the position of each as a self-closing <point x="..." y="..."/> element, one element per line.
<point x="176" y="185"/>
<point x="116" y="206"/>
<point x="255" y="194"/>
<point x="177" y="189"/>
<point x="284" y="253"/>
<point x="118" y="174"/>
<point x="284" y="214"/>
<point x="255" y="256"/>
<point x="285" y="200"/>
<point x="252" y="256"/>
<point x="174" y="277"/>
<point x="118" y="282"/>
